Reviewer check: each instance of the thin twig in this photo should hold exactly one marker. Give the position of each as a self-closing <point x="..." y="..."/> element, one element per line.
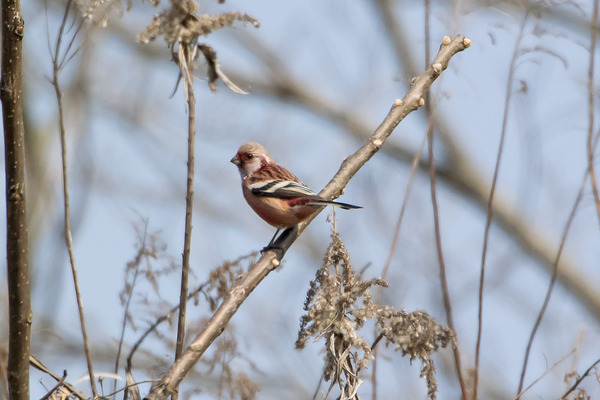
<point x="376" y="341"/>
<point x="581" y="378"/>
<point x="137" y="261"/>
<point x="442" y="264"/>
<point x="271" y="259"/>
<point x="157" y="322"/>
<point x="563" y="358"/>
<point x="572" y="371"/>
<point x="61" y="32"/>
<point x="188" y="74"/>
<point x="490" y="204"/>
<point x="34" y="362"/>
<point x="58" y="385"/>
<point x="411" y="176"/>
<point x="67" y="217"/>
<point x="127" y="386"/>
<point x="316" y="393"/>
<point x="436" y="219"/>
<point x="591" y="147"/>
<point x="590" y="150"/>
<point x="554" y="274"/>
<point x="68" y="238"/>
<point x="166" y="316"/>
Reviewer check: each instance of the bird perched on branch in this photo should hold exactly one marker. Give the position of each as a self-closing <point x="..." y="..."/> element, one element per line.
<point x="273" y="192"/>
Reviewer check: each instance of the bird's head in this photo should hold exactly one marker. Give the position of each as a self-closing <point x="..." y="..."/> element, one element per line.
<point x="250" y="158"/>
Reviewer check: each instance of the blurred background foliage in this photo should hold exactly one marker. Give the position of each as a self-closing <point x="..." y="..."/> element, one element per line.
<point x="320" y="76"/>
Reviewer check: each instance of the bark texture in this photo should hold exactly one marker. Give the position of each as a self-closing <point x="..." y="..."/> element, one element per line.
<point x="16" y="220"/>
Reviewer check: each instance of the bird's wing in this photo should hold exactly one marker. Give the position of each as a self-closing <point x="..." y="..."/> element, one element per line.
<point x="281" y="189"/>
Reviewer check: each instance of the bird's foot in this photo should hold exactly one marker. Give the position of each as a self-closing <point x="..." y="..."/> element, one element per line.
<point x="271" y="247"/>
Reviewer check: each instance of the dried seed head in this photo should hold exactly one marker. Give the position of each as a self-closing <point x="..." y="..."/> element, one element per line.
<point x="338" y="304"/>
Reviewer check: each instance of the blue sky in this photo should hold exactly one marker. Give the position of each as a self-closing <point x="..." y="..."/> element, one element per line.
<point x="127" y="150"/>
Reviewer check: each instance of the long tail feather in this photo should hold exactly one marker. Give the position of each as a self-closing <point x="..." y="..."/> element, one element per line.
<point x="345" y="206"/>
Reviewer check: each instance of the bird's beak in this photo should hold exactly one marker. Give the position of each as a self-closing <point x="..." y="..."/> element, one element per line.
<point x="236" y="160"/>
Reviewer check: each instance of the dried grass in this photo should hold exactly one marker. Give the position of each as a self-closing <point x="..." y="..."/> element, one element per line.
<point x="339" y="303"/>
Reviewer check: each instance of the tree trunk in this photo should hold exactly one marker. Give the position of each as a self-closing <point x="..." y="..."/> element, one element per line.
<point x="16" y="223"/>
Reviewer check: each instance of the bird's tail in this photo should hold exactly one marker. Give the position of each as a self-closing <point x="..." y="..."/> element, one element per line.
<point x="323" y="202"/>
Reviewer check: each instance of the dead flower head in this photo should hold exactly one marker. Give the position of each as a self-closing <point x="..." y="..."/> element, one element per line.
<point x="180" y="23"/>
<point x="339" y="303"/>
<point x="181" y="28"/>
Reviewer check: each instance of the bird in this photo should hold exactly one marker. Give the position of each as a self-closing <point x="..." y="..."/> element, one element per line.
<point x="273" y="192"/>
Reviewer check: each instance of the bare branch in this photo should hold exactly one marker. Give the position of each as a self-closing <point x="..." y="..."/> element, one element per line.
<point x="553" y="278"/>
<point x="458" y="172"/>
<point x="129" y="291"/>
<point x="38" y="365"/>
<point x="57" y="64"/>
<point x="578" y="381"/>
<point x="56" y="387"/>
<point x="181" y="28"/>
<point x="490" y="205"/>
<point x="187" y="73"/>
<point x="436" y="218"/>
<point x="563" y="358"/>
<point x="590" y="147"/>
<point x="590" y="171"/>
<point x="411" y="177"/>
<point x="156" y="323"/>
<point x="271" y="259"/>
<point x="17" y="250"/>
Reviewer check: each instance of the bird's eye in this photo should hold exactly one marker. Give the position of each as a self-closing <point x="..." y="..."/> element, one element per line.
<point x="249" y="156"/>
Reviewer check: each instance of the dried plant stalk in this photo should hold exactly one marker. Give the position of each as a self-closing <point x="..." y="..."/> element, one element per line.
<point x="339" y="303"/>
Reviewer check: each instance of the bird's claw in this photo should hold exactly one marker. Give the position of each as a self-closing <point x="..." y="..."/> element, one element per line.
<point x="271" y="247"/>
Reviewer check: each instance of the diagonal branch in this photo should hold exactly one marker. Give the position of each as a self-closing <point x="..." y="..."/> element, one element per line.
<point x="271" y="259"/>
<point x="37" y="364"/>
<point x="581" y="378"/>
<point x="458" y="172"/>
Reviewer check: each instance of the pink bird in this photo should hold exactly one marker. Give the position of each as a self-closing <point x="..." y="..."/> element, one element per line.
<point x="273" y="192"/>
